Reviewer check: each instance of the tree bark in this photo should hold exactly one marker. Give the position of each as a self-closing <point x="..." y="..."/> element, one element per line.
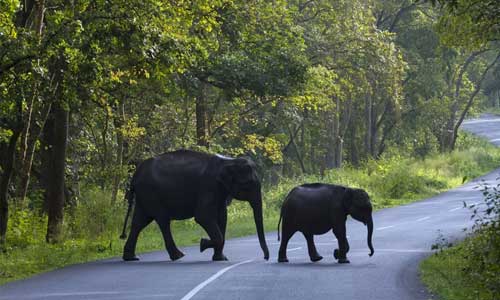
<point x="118" y="122"/>
<point x="30" y="145"/>
<point x="201" y="118"/>
<point x="55" y="185"/>
<point x="338" y="141"/>
<point x="58" y="138"/>
<point x="296" y="149"/>
<point x="354" y="153"/>
<point x="8" y="167"/>
<point x="330" y="140"/>
<point x="369" y="123"/>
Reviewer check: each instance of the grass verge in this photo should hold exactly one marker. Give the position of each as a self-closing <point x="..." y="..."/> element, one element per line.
<point x="470" y="269"/>
<point x="449" y="274"/>
<point x="92" y="228"/>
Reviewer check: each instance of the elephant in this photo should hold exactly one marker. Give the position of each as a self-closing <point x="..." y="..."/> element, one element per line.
<point x="183" y="184"/>
<point x="316" y="208"/>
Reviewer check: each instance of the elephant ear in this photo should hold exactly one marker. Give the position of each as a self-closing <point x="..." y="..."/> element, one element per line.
<point x="236" y="174"/>
<point x="225" y="176"/>
<point x="358" y="198"/>
<point x="244" y="170"/>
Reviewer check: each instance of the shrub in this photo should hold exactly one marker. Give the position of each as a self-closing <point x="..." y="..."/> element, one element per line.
<point x="483" y="251"/>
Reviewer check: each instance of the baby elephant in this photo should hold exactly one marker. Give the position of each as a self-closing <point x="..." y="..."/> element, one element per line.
<point x="316" y="208"/>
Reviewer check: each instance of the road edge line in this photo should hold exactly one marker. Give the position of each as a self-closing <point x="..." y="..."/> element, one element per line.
<point x="200" y="286"/>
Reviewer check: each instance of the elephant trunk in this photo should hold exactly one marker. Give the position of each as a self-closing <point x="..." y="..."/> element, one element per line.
<point x="369" y="224"/>
<point x="259" y="223"/>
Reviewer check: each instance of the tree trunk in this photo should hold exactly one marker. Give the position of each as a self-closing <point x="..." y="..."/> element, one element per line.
<point x="30" y="138"/>
<point x="296" y="149"/>
<point x="7" y="167"/>
<point x="374" y="129"/>
<point x="57" y="137"/>
<point x="369" y="123"/>
<point x="55" y="185"/>
<point x="470" y="101"/>
<point x="30" y="145"/>
<point x="119" y="121"/>
<point x="449" y="134"/>
<point x="330" y="140"/>
<point x="354" y="153"/>
<point x="201" y="118"/>
<point x="338" y="142"/>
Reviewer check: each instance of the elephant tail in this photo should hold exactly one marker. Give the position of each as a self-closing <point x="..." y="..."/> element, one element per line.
<point x="129" y="196"/>
<point x="279" y="222"/>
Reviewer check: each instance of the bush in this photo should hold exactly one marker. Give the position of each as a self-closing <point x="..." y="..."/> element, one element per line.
<point x="26" y="227"/>
<point x="484" y="249"/>
<point x="471" y="269"/>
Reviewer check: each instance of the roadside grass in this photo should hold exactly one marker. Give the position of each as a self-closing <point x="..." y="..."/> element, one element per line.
<point x="492" y="110"/>
<point x="92" y="228"/>
<point x="448" y="274"/>
<point x="469" y="270"/>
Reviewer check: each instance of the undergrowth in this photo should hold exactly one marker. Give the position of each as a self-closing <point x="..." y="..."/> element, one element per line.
<point x="470" y="270"/>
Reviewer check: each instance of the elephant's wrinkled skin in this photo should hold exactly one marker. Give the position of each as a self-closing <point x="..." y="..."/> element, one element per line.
<point x="316" y="208"/>
<point x="184" y="184"/>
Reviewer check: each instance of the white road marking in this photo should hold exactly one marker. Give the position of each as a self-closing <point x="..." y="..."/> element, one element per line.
<point x="293" y="249"/>
<point x="68" y="294"/>
<point x="404" y="250"/>
<point x="386" y="227"/>
<point x="456" y="208"/>
<point x="212" y="278"/>
<point x="423" y="219"/>
<point x="299" y="243"/>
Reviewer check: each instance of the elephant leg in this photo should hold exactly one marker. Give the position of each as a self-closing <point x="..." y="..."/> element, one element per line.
<point x="172" y="249"/>
<point x="139" y="221"/>
<point x="286" y="233"/>
<point x="222" y="222"/>
<point x="341" y="252"/>
<point x="311" y="248"/>
<point x="216" y="240"/>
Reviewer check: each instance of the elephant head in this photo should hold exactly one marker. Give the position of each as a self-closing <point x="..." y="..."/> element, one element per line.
<point x="239" y="177"/>
<point x="357" y="204"/>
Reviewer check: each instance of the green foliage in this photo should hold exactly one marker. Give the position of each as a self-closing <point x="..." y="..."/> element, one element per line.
<point x="7" y="10"/>
<point x="471" y="269"/>
<point x="469" y="24"/>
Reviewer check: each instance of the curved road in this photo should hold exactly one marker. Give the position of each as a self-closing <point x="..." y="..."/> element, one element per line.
<point x="403" y="236"/>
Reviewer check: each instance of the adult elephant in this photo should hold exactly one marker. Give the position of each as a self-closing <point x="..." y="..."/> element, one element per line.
<point x="317" y="208"/>
<point x="184" y="184"/>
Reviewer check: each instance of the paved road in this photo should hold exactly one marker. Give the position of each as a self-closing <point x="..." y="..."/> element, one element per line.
<point x="403" y="237"/>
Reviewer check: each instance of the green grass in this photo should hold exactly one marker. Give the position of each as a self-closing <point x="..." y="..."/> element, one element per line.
<point x="448" y="274"/>
<point x="92" y="229"/>
<point x="493" y="110"/>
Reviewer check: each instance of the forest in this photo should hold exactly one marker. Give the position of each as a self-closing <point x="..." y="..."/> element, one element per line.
<point x="310" y="90"/>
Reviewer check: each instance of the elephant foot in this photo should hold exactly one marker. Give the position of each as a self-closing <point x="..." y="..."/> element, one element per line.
<point x="219" y="257"/>
<point x="282" y="259"/>
<point x="341" y="260"/>
<point x="316" y="258"/>
<point x="205" y="244"/>
<point x="344" y="261"/>
<point x="177" y="255"/>
<point x="129" y="257"/>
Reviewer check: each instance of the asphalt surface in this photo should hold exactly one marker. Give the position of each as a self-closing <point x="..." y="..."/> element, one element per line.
<point x="403" y="236"/>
